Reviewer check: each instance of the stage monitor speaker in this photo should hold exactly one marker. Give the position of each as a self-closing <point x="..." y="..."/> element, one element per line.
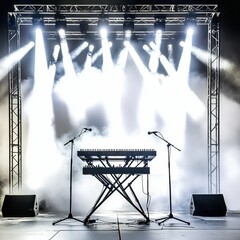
<point x="208" y="205"/>
<point x="20" y="206"/>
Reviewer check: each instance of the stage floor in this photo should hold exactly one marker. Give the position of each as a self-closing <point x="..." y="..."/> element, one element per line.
<point x="125" y="226"/>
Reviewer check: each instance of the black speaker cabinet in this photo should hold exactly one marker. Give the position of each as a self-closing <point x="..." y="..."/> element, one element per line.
<point x="20" y="206"/>
<point x="208" y="205"/>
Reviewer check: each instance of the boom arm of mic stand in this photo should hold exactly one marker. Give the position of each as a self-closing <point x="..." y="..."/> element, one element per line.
<point x="71" y="140"/>
<point x="169" y="144"/>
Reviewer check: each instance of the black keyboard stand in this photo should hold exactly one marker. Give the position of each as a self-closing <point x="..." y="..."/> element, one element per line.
<point x="120" y="183"/>
<point x="119" y="179"/>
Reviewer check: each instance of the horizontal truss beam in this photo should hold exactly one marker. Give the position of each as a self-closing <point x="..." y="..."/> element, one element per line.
<point x="144" y="14"/>
<point x="108" y="8"/>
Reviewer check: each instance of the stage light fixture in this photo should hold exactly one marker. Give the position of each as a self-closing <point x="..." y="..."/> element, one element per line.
<point x="190" y="21"/>
<point x="103" y="25"/>
<point x="37" y="21"/>
<point x="60" y="22"/>
<point x="128" y="25"/>
<point x="160" y="22"/>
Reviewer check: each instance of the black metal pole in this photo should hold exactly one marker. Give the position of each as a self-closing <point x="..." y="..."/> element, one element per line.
<point x="169" y="180"/>
<point x="70" y="216"/>
<point x="170" y="215"/>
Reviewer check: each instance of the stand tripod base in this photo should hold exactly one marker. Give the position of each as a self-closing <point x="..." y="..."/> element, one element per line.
<point x="70" y="216"/>
<point x="164" y="219"/>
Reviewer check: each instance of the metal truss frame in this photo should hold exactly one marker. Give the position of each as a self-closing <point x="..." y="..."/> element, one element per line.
<point x="15" y="116"/>
<point x="144" y="17"/>
<point x="214" y="107"/>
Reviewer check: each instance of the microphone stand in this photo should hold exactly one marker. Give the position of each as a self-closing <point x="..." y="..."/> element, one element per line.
<point x="70" y="216"/>
<point x="170" y="215"/>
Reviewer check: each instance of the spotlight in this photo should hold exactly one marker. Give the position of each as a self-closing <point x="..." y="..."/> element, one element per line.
<point x="159" y="27"/>
<point x="128" y="25"/>
<point x="190" y="22"/>
<point x="160" y="22"/>
<point x="37" y="21"/>
<point x="103" y="25"/>
<point x="60" y="22"/>
<point x="54" y="57"/>
<point x="90" y="49"/>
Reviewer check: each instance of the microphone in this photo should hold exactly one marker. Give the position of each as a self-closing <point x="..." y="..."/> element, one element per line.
<point x="87" y="129"/>
<point x="153" y="132"/>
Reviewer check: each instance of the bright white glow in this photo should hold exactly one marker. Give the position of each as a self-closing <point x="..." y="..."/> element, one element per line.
<point x="40" y="70"/>
<point x="8" y="62"/>
<point x="158" y="37"/>
<point x="97" y="54"/>
<point x="154" y="56"/>
<point x="56" y="52"/>
<point x="184" y="63"/>
<point x="122" y="58"/>
<point x="138" y="61"/>
<point x="190" y="31"/>
<point x="153" y="62"/>
<point x="79" y="49"/>
<point x="154" y="46"/>
<point x="181" y="43"/>
<point x="88" y="61"/>
<point x="200" y="54"/>
<point x="168" y="66"/>
<point x="40" y="116"/>
<point x="203" y="55"/>
<point x="91" y="48"/>
<point x="103" y="33"/>
<point x="67" y="60"/>
<point x="81" y="95"/>
<point x="170" y="54"/>
<point x="52" y="67"/>
<point x="128" y="34"/>
<point x="149" y="101"/>
<point x="107" y="58"/>
<point x="147" y="49"/>
<point x="61" y="33"/>
<point x="194" y="107"/>
<point x="111" y="100"/>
